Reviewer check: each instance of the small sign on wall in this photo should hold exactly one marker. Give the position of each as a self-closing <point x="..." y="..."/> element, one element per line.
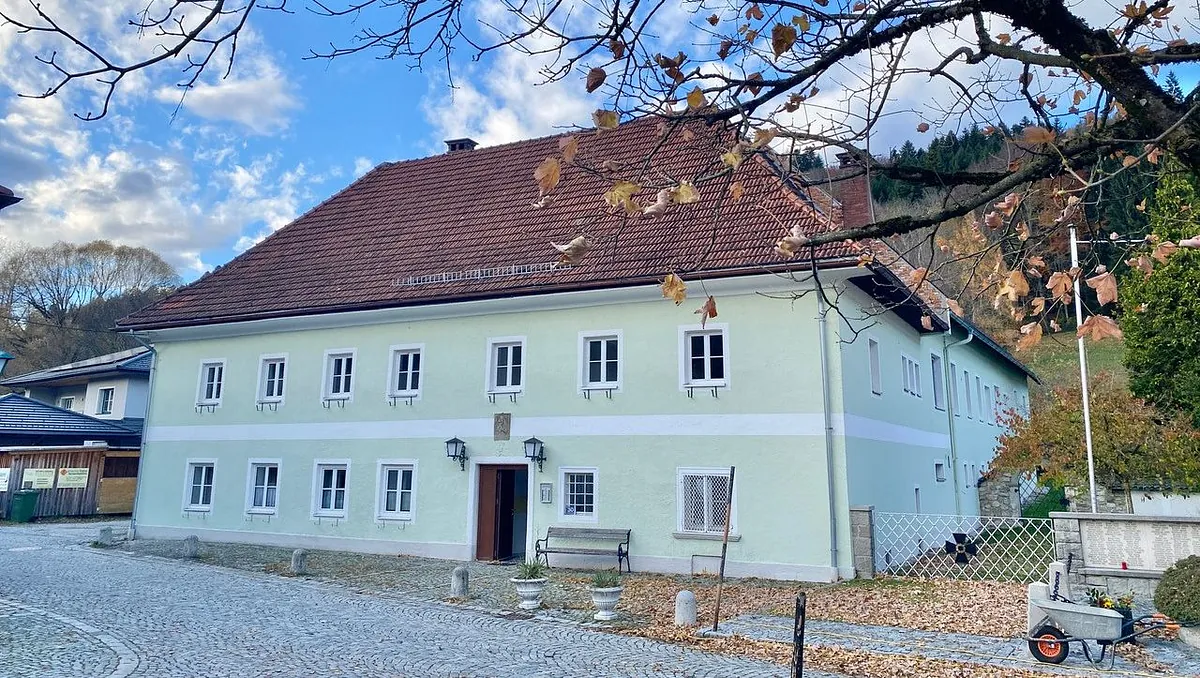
<point x="38" y="478"/>
<point x="501" y="425"/>
<point x="72" y="478"/>
<point x="4" y="479"/>
<point x="547" y="493"/>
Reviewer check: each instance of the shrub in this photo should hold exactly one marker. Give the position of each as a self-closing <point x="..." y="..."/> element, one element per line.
<point x="606" y="579"/>
<point x="1178" y="594"/>
<point x="531" y="569"/>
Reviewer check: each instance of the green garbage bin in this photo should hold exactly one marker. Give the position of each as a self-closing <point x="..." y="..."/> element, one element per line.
<point x="24" y="503"/>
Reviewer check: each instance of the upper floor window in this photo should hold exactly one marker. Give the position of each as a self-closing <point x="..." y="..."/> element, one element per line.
<point x="199" y="485"/>
<point x="967" y="394"/>
<point x="979" y="399"/>
<point x="104" y="400"/>
<point x="66" y="402"/>
<point x="601" y="361"/>
<point x="406" y="371"/>
<point x="954" y="399"/>
<point x="507" y="368"/>
<point x="873" y="359"/>
<point x="339" y="375"/>
<point x="912" y="376"/>
<point x="990" y="403"/>
<point x="212" y="381"/>
<point x="270" y="380"/>
<point x="705" y="357"/>
<point x="938" y="380"/>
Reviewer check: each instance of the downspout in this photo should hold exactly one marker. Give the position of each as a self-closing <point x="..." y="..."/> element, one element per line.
<point x="829" y="451"/>
<point x="137" y="489"/>
<point x="951" y="402"/>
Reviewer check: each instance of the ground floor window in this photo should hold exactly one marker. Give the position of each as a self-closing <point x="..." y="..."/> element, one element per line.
<point x="330" y="497"/>
<point x="264" y="487"/>
<point x="396" y="491"/>
<point x="702" y="500"/>
<point x="578" y="493"/>
<point x="200" y="485"/>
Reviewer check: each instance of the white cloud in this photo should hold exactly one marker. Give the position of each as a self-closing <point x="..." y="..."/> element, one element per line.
<point x="257" y="95"/>
<point x="362" y="166"/>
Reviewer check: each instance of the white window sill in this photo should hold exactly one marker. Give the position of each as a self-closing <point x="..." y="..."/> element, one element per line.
<point x="578" y="518"/>
<point x="602" y="387"/>
<point x="328" y="514"/>
<point x="330" y="398"/>
<point x="201" y="403"/>
<point x="269" y="401"/>
<point x="404" y="394"/>
<point x="706" y="536"/>
<point x="706" y="384"/>
<point x="395" y="518"/>
<point x="198" y="509"/>
<point x="505" y="391"/>
<point x="260" y="511"/>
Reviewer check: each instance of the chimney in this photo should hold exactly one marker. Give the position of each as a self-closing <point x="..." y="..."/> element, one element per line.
<point x="846" y="160"/>
<point x="854" y="192"/>
<point x="464" y="144"/>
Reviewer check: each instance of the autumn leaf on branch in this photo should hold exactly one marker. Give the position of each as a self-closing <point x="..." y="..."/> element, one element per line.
<point x="736" y="190"/>
<point x="927" y="323"/>
<point x="923" y="127"/>
<point x="708" y="310"/>
<point x="1014" y="286"/>
<point x="685" y="193"/>
<point x="1163" y="250"/>
<point x="1106" y="287"/>
<point x="674" y="288"/>
<point x="1099" y="327"/>
<point x="621" y="195"/>
<point x="1031" y="335"/>
<point x="568" y="146"/>
<point x="573" y="252"/>
<point x="661" y="202"/>
<point x="783" y="37"/>
<point x="917" y="277"/>
<point x="1035" y="136"/>
<point x="955" y="308"/>
<point x="695" y="99"/>
<point x="605" y="119"/>
<point x="790" y="245"/>
<point x="595" y="78"/>
<point x="1191" y="243"/>
<point x="547" y="175"/>
<point x="1061" y="285"/>
<point x="1142" y="263"/>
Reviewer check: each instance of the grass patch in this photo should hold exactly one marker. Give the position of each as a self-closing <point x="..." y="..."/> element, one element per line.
<point x="1056" y="359"/>
<point x="1054" y="500"/>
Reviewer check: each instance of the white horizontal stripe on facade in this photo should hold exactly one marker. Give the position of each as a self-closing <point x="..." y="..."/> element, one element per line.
<point x="633" y="425"/>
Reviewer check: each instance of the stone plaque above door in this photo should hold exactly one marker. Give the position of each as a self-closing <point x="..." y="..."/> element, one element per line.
<point x="501" y="425"/>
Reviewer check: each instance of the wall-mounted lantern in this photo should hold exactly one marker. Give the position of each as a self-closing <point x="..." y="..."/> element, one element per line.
<point x="535" y="450"/>
<point x="457" y="450"/>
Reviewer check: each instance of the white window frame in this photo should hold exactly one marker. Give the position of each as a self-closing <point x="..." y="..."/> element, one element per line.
<point x="991" y="401"/>
<point x="381" y="467"/>
<point x="955" y="399"/>
<point x="489" y="381"/>
<point x="326" y="382"/>
<point x="683" y="471"/>
<point x="874" y="366"/>
<point x="67" y="402"/>
<point x="584" y="339"/>
<point x="967" y="392"/>
<point x="112" y="400"/>
<point x="202" y="382"/>
<point x="394" y="352"/>
<point x="911" y="375"/>
<point x="261" y="392"/>
<point x="188" y="506"/>
<point x="685" y="334"/>
<point x="251" y="465"/>
<point x="937" y="381"/>
<point x="562" y="494"/>
<point x="318" y="466"/>
<point x="939" y="470"/>
<point x="979" y="396"/>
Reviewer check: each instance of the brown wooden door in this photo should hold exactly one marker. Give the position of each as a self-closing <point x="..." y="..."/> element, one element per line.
<point x="485" y="538"/>
<point x="505" y="491"/>
<point x="497" y="502"/>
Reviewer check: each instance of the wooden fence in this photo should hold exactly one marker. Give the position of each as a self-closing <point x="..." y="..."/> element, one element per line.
<point x="84" y="501"/>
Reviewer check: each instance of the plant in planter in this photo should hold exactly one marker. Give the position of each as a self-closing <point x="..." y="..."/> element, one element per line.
<point x="606" y="591"/>
<point x="1122" y="604"/>
<point x="530" y="582"/>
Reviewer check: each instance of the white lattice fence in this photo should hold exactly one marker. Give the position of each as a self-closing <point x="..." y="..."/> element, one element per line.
<point x="963" y="547"/>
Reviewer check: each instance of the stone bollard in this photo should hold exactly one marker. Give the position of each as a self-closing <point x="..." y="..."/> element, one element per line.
<point x="299" y="562"/>
<point x="106" y="537"/>
<point x="459" y="582"/>
<point x="685" y="608"/>
<point x="191" y="547"/>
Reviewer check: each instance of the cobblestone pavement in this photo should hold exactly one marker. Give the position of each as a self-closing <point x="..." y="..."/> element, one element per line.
<point x="1006" y="652"/>
<point x="70" y="611"/>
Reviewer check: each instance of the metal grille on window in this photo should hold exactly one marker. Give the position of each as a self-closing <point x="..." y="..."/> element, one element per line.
<point x="581" y="494"/>
<point x="704" y="508"/>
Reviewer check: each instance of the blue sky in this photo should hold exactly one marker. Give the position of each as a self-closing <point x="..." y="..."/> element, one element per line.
<point x="247" y="154"/>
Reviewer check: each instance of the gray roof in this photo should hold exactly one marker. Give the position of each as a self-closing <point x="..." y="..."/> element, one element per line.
<point x="131" y="363"/>
<point x="24" y="416"/>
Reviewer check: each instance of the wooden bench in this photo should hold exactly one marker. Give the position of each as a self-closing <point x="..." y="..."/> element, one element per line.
<point x="543" y="549"/>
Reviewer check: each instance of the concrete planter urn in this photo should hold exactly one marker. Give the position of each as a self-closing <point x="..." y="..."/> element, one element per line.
<point x="605" y="600"/>
<point x="530" y="592"/>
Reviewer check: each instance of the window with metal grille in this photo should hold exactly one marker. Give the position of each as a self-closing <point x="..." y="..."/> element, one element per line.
<point x="702" y="500"/>
<point x="200" y="485"/>
<point x="104" y="400"/>
<point x="706" y="358"/>
<point x="873" y="359"/>
<point x="120" y="467"/>
<point x="579" y="493"/>
<point x="339" y="383"/>
<point x="270" y="389"/>
<point x="601" y="366"/>
<point x="396" y="491"/>
<point x="507" y="366"/>
<point x="212" y="379"/>
<point x="406" y="371"/>
<point x="264" y="491"/>
<point x="331" y="490"/>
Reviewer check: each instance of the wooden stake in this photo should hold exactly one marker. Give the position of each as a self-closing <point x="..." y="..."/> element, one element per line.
<point x="724" y="548"/>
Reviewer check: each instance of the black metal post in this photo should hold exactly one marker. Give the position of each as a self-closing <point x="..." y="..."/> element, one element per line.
<point x="798" y="637"/>
<point x="724" y="549"/>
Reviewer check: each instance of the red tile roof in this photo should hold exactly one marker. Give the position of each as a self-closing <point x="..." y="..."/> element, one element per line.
<point x="448" y="216"/>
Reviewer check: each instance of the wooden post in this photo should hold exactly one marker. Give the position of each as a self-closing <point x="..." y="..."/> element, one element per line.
<point x="798" y="637"/>
<point x="724" y="548"/>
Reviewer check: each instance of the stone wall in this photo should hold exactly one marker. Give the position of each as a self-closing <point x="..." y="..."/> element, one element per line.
<point x="1000" y="496"/>
<point x="1108" y="500"/>
<point x="1122" y="553"/>
<point x="862" y="541"/>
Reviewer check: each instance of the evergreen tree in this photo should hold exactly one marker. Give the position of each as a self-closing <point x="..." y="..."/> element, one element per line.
<point x="1172" y="87"/>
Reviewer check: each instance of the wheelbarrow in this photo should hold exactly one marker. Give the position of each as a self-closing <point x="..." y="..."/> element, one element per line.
<point x="1055" y="622"/>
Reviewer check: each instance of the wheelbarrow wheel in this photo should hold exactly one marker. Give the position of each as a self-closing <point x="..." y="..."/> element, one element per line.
<point x="1047" y="647"/>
